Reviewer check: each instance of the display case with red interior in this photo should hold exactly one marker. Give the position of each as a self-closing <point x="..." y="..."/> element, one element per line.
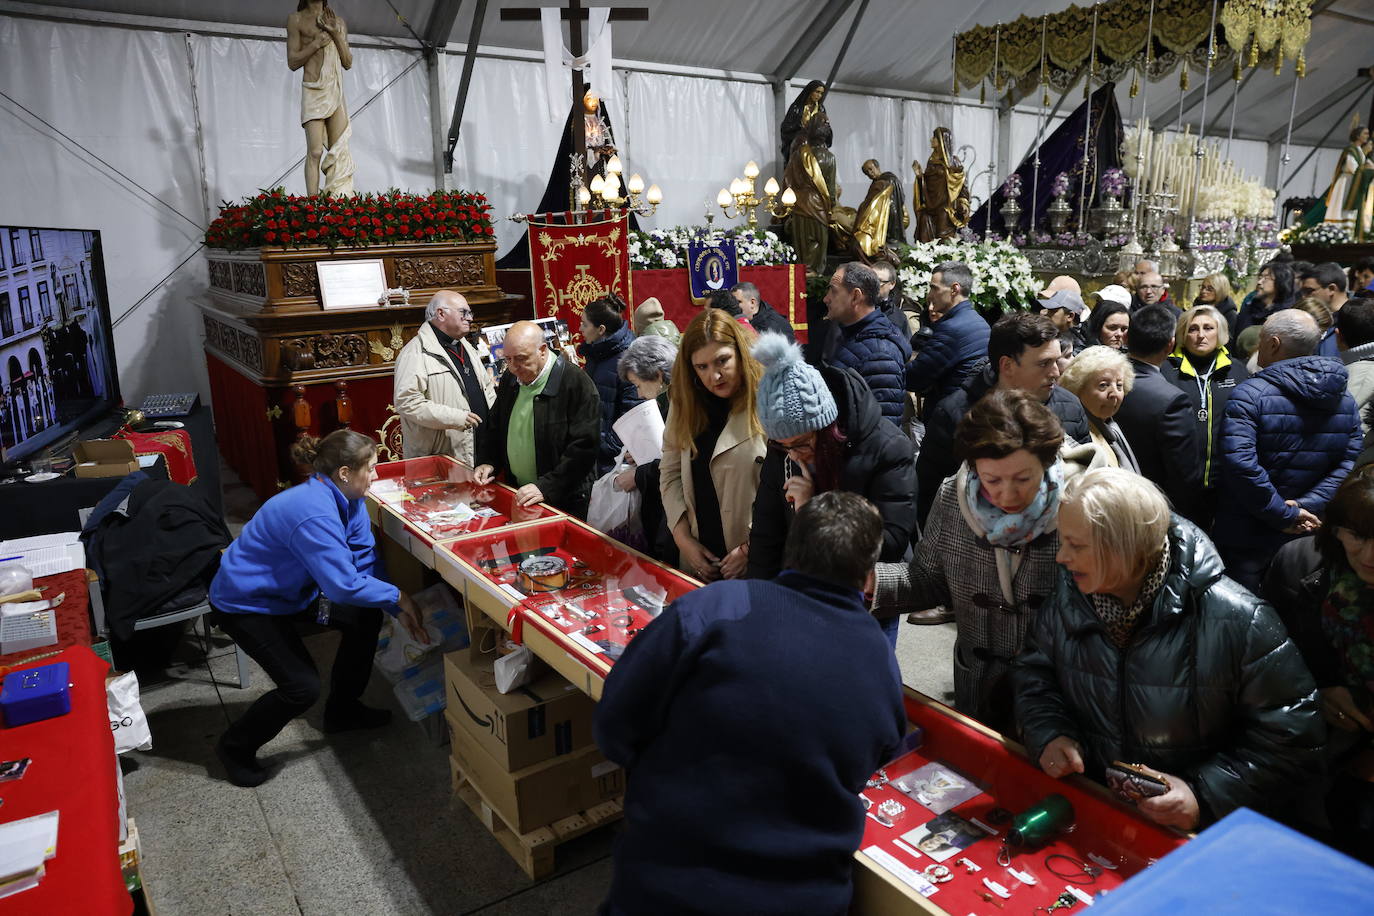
<point x="573" y="595"/>
<point x="951" y="803"/>
<point x="419" y="502"/>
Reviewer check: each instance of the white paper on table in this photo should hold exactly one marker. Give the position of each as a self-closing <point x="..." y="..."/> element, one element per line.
<point x="46" y="554"/>
<point x="27" y="843"/>
<point x="641" y="429"/>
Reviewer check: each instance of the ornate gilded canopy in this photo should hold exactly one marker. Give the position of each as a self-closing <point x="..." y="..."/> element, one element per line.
<point x="1151" y="35"/>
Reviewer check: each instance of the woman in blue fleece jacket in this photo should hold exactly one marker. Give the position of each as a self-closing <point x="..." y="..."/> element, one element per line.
<point x="305" y="543"/>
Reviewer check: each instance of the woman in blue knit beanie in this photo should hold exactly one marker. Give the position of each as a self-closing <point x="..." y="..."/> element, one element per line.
<point x="825" y="432"/>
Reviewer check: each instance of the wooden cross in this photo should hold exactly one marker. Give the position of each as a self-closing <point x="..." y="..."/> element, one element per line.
<point x="575" y="15"/>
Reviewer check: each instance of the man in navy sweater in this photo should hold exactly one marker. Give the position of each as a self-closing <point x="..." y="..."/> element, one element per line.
<point x="748" y="718"/>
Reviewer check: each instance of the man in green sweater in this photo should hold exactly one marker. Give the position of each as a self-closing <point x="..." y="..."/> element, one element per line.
<point x="545" y="426"/>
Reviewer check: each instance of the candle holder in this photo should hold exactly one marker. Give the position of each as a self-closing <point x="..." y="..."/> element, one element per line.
<point x="742" y="196"/>
<point x="604" y="192"/>
<point x="1058" y="213"/>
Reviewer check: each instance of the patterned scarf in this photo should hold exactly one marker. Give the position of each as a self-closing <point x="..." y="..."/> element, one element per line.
<point x="1119" y="619"/>
<point x="1015" y="529"/>
<point x="1348" y="623"/>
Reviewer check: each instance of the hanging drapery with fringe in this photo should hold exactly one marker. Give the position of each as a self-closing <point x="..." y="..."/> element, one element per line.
<point x="1255" y="32"/>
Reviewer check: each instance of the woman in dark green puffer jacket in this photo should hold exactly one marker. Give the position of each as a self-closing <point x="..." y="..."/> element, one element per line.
<point x="1147" y="654"/>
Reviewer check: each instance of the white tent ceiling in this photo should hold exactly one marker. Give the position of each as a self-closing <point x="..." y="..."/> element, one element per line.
<point x="900" y="46"/>
<point x="137" y="117"/>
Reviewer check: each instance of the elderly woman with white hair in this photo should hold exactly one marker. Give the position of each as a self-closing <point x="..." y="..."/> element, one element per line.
<point x="648" y="365"/>
<point x="1101" y="377"/>
<point x="1147" y="655"/>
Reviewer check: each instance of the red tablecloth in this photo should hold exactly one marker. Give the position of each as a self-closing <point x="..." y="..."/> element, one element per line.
<point x="174" y="445"/>
<point x="73" y="622"/>
<point x="73" y="771"/>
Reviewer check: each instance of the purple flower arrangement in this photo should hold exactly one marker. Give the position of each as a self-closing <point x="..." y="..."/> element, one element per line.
<point x="1060" y="186"/>
<point x="1112" y="183"/>
<point x="1011" y="188"/>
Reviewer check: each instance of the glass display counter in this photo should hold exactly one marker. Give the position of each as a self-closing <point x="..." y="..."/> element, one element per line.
<point x="575" y="597"/>
<point x="419" y="502"/>
<point x="942" y="828"/>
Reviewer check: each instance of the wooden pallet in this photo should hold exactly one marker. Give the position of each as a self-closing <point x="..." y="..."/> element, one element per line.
<point x="533" y="851"/>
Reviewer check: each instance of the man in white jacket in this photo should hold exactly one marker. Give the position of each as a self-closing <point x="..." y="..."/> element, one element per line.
<point x="442" y="391"/>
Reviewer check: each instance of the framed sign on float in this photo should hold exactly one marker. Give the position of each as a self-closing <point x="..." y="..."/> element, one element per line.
<point x="353" y="284"/>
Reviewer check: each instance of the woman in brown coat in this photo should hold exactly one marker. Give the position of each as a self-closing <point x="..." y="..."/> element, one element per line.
<point x="713" y="447"/>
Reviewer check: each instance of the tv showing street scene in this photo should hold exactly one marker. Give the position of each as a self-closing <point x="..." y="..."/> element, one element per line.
<point x="57" y="366"/>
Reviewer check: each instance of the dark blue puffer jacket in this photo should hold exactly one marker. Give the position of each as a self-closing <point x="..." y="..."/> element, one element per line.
<point x="877" y="351"/>
<point x="601" y="360"/>
<point x="1291" y="431"/>
<point x="958" y="343"/>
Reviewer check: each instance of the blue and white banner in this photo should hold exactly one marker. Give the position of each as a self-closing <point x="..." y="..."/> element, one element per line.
<point x="711" y="266"/>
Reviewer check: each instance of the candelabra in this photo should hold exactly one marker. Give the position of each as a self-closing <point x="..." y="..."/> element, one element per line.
<point x="604" y="193"/>
<point x="743" y="197"/>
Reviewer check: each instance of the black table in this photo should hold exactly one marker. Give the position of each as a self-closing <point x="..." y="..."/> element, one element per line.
<point x="28" y="509"/>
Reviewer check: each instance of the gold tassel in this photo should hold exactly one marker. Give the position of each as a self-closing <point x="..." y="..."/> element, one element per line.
<point x="1254" y="54"/>
<point x="1278" y="62"/>
<point x="983" y="92"/>
<point x="1183" y="78"/>
<point x="1135" y="85"/>
<point x="1301" y="66"/>
<point x="1235" y="71"/>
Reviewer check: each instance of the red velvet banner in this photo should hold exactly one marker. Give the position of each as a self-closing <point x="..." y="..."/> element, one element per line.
<point x="782" y="286"/>
<point x="174" y="445"/>
<point x="573" y="264"/>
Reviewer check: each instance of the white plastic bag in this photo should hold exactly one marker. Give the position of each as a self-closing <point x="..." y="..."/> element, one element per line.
<point x="127" y="721"/>
<point x="513" y="670"/>
<point x="614" y="511"/>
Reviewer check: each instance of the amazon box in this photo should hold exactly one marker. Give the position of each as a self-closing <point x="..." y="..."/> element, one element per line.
<point x="104" y="458"/>
<point x="536" y="796"/>
<point x="542" y="720"/>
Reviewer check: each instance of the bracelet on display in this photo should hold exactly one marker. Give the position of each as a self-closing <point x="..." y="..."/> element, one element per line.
<point x="1082" y="873"/>
<point x="937" y="874"/>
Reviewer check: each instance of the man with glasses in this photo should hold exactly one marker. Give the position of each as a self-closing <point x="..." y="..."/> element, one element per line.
<point x="1152" y="291"/>
<point x="442" y="392"/>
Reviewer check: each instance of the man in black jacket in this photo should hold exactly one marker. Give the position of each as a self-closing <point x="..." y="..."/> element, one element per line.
<point x="747" y="717"/>
<point x="761" y="315"/>
<point x="1023" y="352"/>
<point x="545" y="427"/>
<point x="1157" y="417"/>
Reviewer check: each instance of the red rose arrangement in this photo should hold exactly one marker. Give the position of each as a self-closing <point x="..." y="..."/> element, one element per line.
<point x="277" y="219"/>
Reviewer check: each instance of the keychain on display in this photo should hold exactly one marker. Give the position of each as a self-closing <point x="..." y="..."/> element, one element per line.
<point x="1062" y="902"/>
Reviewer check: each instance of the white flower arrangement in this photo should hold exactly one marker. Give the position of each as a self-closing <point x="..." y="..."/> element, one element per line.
<point x="1001" y="274"/>
<point x="1326" y="234"/>
<point x="667" y="248"/>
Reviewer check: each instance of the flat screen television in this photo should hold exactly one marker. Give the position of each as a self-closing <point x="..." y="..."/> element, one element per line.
<point x="57" y="363"/>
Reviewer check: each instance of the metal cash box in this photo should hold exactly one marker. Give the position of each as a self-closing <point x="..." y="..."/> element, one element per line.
<point x="35" y="694"/>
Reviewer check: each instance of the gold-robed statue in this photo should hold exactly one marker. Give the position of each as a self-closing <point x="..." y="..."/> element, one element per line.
<point x="1350" y="196"/>
<point x="810" y="173"/>
<point x="945" y="207"/>
<point x="317" y="40"/>
<point x="882" y="218"/>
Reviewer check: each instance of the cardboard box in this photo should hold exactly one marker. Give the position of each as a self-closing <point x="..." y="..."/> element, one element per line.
<point x="546" y="719"/>
<point x="104" y="458"/>
<point x="538" y="795"/>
